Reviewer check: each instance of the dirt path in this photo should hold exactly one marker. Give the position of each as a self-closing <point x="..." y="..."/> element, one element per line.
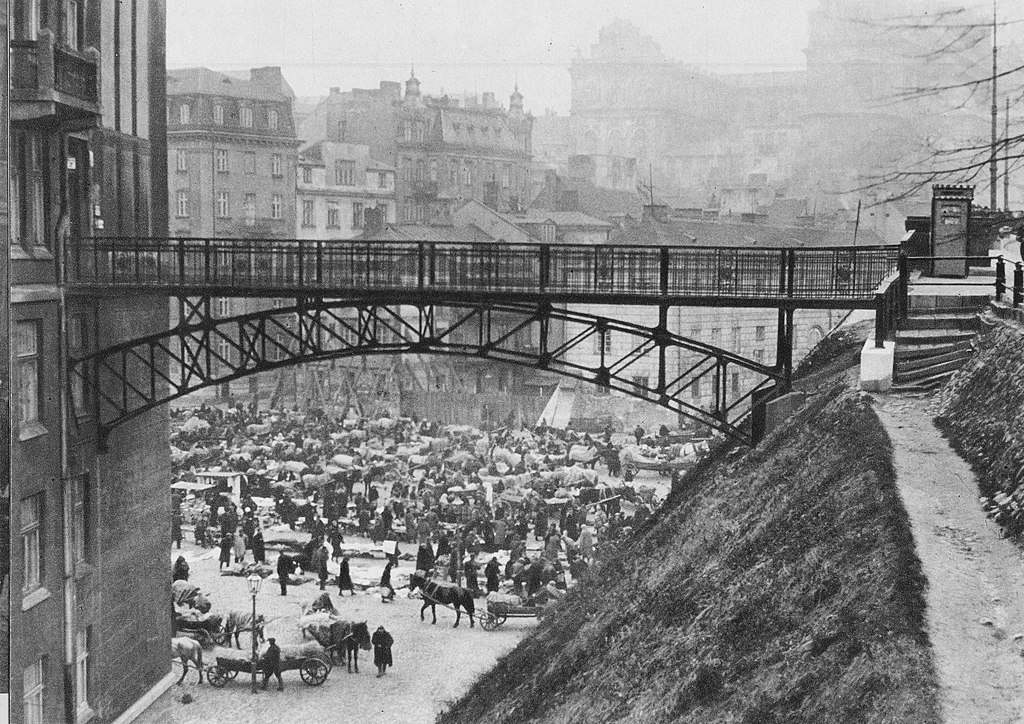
<point x="975" y="578"/>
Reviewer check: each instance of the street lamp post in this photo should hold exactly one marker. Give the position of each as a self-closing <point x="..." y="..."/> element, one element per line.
<point x="254" y="582"/>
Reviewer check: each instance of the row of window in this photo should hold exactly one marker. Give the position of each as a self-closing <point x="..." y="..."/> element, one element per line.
<point x="28" y="21"/>
<point x="458" y="170"/>
<point x="34" y="678"/>
<point x="344" y="175"/>
<point x="246" y="118"/>
<point x="334" y="214"/>
<point x="222" y="161"/>
<point x="222" y="205"/>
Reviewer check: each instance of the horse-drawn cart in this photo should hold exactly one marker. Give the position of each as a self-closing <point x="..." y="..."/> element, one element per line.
<point x="498" y="612"/>
<point x="312" y="669"/>
<point x="204" y="636"/>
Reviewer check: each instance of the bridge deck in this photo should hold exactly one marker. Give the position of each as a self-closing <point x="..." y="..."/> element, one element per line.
<point x="838" y="277"/>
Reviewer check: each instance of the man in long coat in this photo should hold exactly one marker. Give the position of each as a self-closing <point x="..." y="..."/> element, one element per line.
<point x="492" y="571"/>
<point x="345" y="577"/>
<point x="382" y="642"/>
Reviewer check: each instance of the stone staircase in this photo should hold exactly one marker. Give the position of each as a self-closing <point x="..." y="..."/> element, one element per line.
<point x="935" y="341"/>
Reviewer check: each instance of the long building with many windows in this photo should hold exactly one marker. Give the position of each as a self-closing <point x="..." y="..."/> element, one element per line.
<point x="90" y="578"/>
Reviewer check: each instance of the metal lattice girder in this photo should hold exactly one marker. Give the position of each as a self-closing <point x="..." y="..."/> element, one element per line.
<point x="202" y="350"/>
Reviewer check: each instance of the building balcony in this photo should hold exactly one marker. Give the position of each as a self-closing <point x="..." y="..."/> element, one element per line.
<point x="47" y="80"/>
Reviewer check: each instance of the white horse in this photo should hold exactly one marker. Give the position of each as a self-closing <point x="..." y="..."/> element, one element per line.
<point x="188" y="649"/>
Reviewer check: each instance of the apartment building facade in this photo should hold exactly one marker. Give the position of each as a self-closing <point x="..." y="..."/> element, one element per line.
<point x="90" y="575"/>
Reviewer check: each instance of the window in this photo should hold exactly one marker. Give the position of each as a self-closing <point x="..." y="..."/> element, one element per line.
<point x="245" y="117"/>
<point x="307" y="175"/>
<point x="547" y="233"/>
<point x="71" y="23"/>
<point x="382" y="180"/>
<point x="183" y="204"/>
<point x="715" y="336"/>
<point x="82" y="641"/>
<point x="607" y="339"/>
<point x="759" y="356"/>
<point x="223" y="205"/>
<point x="250" y="162"/>
<point x="275" y="206"/>
<point x="641" y="381"/>
<point x="453" y="173"/>
<point x="272" y="119"/>
<point x="184" y="114"/>
<point x="28" y="226"/>
<point x="249" y="207"/>
<point x="182" y="159"/>
<point x="82" y="536"/>
<point x="695" y="333"/>
<point x="737" y="339"/>
<point x="31" y="541"/>
<point x="218" y="114"/>
<point x="77" y="336"/>
<point x="342" y="128"/>
<point x="407" y="130"/>
<point x="344" y="173"/>
<point x="383" y="213"/>
<point x="307" y="213"/>
<point x="504" y="177"/>
<point x="357" y="215"/>
<point x="32" y="693"/>
<point x="433" y="169"/>
<point x="222" y="160"/>
<point x="420" y="129"/>
<point x="275" y="165"/>
<point x="736" y="383"/>
<point x="223" y="306"/>
<point x="27" y="19"/>
<point x="333" y="216"/>
<point x="695" y="389"/>
<point x="759" y="334"/>
<point x="29" y="401"/>
<point x="407" y="169"/>
<point x="421" y="170"/>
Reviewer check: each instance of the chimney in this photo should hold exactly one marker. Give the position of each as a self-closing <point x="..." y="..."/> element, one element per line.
<point x="269" y="77"/>
<point x="373" y="221"/>
<point x="655" y="213"/>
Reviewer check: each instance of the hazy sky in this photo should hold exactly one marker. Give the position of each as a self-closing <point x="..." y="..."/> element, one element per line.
<point x="471" y="45"/>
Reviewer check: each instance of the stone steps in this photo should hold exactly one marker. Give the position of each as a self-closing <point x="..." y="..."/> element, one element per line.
<point x="906" y="366"/>
<point x="942" y="320"/>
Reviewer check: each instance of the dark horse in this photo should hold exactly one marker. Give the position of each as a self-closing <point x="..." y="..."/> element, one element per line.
<point x="447" y="594"/>
<point x="343" y="638"/>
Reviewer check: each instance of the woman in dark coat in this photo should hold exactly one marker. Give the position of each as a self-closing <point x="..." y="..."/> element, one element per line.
<point x="382" y="642"/>
<point x="385" y="583"/>
<point x="345" y="577"/>
<point x="259" y="551"/>
<point x="492" y="571"/>
<point x="180" y="572"/>
<point x="227" y="548"/>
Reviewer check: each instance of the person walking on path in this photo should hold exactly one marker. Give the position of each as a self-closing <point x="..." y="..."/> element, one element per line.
<point x="345" y="577"/>
<point x="492" y="571"/>
<point x="385" y="583"/>
<point x="272" y="665"/>
<point x="284" y="568"/>
<point x="176" y="528"/>
<point x="259" y="550"/>
<point x="382" y="642"/>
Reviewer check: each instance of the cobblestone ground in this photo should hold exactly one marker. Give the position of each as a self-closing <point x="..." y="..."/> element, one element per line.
<point x="434" y="664"/>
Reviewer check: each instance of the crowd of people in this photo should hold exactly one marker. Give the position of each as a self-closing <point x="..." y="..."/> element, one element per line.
<point x="463" y="497"/>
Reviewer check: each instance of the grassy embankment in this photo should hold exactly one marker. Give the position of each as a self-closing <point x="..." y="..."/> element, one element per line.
<point x="780" y="586"/>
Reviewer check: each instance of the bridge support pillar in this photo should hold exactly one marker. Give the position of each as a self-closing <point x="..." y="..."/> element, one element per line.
<point x="876" y="366"/>
<point x="784" y="350"/>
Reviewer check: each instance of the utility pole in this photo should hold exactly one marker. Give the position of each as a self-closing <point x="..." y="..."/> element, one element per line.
<point x="993" y="166"/>
<point x="1006" y="157"/>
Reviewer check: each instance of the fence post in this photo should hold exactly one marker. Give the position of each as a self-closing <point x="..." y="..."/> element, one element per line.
<point x="545" y="271"/>
<point x="1000" y="278"/>
<point x="1018" y="284"/>
<point x="206" y="261"/>
<point x="881" y="326"/>
<point x="664" y="271"/>
<point x="903" y="265"/>
<point x="301" y="263"/>
<point x="783" y="256"/>
<point x="421" y="272"/>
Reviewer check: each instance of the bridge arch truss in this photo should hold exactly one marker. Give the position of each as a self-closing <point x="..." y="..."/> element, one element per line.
<point x="202" y="350"/>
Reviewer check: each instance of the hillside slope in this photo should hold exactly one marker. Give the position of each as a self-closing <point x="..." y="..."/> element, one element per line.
<point x="780" y="586"/>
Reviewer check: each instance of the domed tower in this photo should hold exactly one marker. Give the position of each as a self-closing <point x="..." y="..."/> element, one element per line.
<point x="515" y="102"/>
<point x="412" y="88"/>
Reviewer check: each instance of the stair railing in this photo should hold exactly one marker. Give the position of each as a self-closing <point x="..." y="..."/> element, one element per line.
<point x="1000" y="278"/>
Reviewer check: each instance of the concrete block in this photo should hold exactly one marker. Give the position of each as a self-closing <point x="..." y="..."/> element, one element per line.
<point x="876" y="365"/>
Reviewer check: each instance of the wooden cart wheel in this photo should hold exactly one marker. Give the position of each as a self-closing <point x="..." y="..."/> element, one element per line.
<point x="218" y="676"/>
<point x="313" y="672"/>
<point x="502" y="618"/>
<point x="230" y="673"/>
<point x="488" y="621"/>
<point x="629" y="470"/>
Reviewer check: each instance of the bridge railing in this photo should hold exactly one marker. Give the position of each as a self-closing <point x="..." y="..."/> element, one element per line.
<point x="560" y="270"/>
